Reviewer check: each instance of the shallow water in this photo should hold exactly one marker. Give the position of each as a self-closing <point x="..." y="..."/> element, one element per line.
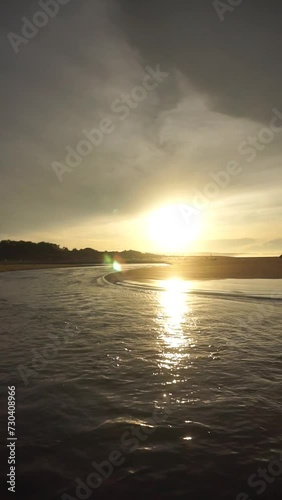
<point x="184" y="381"/>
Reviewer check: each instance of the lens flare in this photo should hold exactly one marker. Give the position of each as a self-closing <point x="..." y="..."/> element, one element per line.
<point x="117" y="266"/>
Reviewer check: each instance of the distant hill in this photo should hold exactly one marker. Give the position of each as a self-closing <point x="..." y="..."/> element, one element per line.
<point x="29" y="252"/>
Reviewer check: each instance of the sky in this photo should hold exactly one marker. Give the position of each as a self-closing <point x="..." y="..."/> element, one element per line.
<point x="153" y="125"/>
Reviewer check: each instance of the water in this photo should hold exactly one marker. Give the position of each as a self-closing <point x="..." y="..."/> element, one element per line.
<point x="180" y="387"/>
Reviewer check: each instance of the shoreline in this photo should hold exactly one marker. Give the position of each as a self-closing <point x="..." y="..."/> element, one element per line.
<point x="189" y="268"/>
<point x="203" y="268"/>
<point x="9" y="267"/>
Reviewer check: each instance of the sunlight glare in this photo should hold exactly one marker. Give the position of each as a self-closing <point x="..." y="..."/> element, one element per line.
<point x="174" y="227"/>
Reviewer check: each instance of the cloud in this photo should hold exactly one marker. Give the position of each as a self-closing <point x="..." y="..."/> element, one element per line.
<point x="65" y="81"/>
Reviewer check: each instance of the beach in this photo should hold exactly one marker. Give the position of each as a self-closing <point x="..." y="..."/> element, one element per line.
<point x="206" y="268"/>
<point x="186" y="268"/>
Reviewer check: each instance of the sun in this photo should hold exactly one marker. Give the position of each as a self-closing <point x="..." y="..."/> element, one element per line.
<point x="174" y="227"/>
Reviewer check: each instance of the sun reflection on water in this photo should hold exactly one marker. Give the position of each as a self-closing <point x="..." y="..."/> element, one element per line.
<point x="175" y="317"/>
<point x="176" y="340"/>
<point x="174" y="305"/>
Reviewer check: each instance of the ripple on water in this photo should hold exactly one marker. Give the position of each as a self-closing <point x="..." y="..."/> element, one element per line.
<point x="186" y="386"/>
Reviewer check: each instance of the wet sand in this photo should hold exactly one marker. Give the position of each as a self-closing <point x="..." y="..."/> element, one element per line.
<point x="206" y="268"/>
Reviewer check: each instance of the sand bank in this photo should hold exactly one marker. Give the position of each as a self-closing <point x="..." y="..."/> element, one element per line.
<point x="206" y="268"/>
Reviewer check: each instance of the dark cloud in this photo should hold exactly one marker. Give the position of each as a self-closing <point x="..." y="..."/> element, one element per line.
<point x="236" y="61"/>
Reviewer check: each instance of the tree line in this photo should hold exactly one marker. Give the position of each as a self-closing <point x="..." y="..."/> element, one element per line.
<point x="27" y="251"/>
